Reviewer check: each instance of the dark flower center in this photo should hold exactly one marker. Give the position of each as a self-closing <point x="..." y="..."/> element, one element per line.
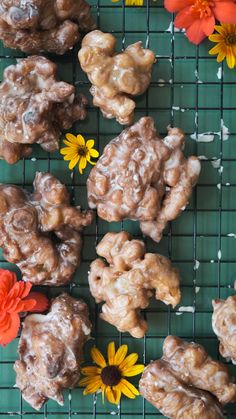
<point x="230" y="39"/>
<point x="110" y="375"/>
<point x="82" y="151"/>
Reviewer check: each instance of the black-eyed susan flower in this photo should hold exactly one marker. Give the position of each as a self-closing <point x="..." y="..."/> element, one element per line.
<point x="109" y="376"/>
<point x="79" y="152"/>
<point x="226" y="44"/>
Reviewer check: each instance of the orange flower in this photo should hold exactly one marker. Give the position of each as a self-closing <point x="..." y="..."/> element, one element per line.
<point x="198" y="16"/>
<point x="15" y="297"/>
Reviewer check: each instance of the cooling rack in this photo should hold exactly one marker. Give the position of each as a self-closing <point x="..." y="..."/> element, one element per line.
<point x="190" y="90"/>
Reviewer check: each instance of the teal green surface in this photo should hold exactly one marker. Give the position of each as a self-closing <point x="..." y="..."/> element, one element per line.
<point x="192" y="87"/>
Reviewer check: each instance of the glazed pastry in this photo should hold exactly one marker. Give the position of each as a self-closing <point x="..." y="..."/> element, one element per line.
<point x="128" y="280"/>
<point x="191" y="363"/>
<point x="115" y="78"/>
<point x="35" y="108"/>
<point x="224" y="326"/>
<point x="50" y="351"/>
<point x="154" y="181"/>
<point x="27" y="223"/>
<point x="186" y="383"/>
<point x="175" y="399"/>
<point x="36" y="26"/>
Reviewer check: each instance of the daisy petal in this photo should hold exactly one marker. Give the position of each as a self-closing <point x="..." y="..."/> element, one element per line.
<point x="86" y="380"/>
<point x="129" y="361"/>
<point x="215" y="50"/>
<point x="111" y="353"/>
<point x="82" y="164"/>
<point x="71" y="138"/>
<point x="70" y="145"/>
<point x="110" y="395"/>
<point x="74" y="162"/>
<point x="89" y="144"/>
<point x="120" y="354"/>
<point x="80" y="140"/>
<point x="132" y="371"/>
<point x="98" y="358"/>
<point x="70" y="156"/>
<point x="220" y="29"/>
<point x="215" y="37"/>
<point x="230" y="59"/>
<point x="91" y="371"/>
<point x="220" y="57"/>
<point x="128" y="389"/>
<point x="93" y="153"/>
<point x="65" y="150"/>
<point x="93" y="387"/>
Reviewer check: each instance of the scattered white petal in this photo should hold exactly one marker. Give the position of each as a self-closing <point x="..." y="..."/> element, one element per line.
<point x="161" y="82"/>
<point x="196" y="265"/>
<point x="224" y="131"/>
<point x="178" y="313"/>
<point x="212" y="261"/>
<point x="187" y="309"/>
<point x="219" y="254"/>
<point x="216" y="163"/>
<point x="205" y="137"/>
<point x="197" y="289"/>
<point x="218" y="186"/>
<point x="221" y="168"/>
<point x="113" y="413"/>
<point x="203" y="157"/>
<point x="183" y="208"/>
<point x="227" y="184"/>
<point x="69" y="396"/>
<point x="170" y="28"/>
<point x="176" y="108"/>
<point x="219" y="73"/>
<point x="231" y="235"/>
<point x="33" y="159"/>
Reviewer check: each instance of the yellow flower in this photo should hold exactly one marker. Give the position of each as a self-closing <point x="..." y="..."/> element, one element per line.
<point x="78" y="152"/>
<point x="109" y="376"/>
<point x="226" y="44"/>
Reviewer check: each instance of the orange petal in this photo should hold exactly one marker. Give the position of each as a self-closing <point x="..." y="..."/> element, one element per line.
<point x="11" y="333"/>
<point x="7" y="280"/>
<point x="41" y="301"/>
<point x="195" y="32"/>
<point x="176" y="5"/>
<point x="225" y="11"/>
<point x="184" y="18"/>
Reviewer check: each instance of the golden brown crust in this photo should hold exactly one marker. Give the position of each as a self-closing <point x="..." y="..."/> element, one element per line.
<point x="115" y="78"/>
<point x="50" y="351"/>
<point x="35" y="108"/>
<point x="127" y="283"/>
<point x="26" y="226"/>
<point x="224" y="326"/>
<point x="36" y="26"/>
<point x="163" y="388"/>
<point x="191" y="363"/>
<point x="154" y="181"/>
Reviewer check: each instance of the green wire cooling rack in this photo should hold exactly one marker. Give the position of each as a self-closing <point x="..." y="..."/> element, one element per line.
<point x="189" y="90"/>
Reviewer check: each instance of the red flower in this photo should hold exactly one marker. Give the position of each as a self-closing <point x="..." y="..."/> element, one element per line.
<point x="15" y="297"/>
<point x="198" y="16"/>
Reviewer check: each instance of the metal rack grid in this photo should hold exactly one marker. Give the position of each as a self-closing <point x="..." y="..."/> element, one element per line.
<point x="185" y="91"/>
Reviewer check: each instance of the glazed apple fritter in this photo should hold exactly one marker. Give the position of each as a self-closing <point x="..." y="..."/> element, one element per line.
<point x="27" y="223"/>
<point x="36" y="26"/>
<point x="143" y="177"/>
<point x="224" y="326"/>
<point x="186" y="382"/>
<point x="50" y="351"/>
<point x="35" y="108"/>
<point x="115" y="78"/>
<point x="126" y="284"/>
<point x="195" y="367"/>
<point x="176" y="400"/>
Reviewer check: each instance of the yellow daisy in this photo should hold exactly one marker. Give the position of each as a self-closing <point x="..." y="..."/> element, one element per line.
<point x="226" y="44"/>
<point x="78" y="152"/>
<point x="109" y="376"/>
